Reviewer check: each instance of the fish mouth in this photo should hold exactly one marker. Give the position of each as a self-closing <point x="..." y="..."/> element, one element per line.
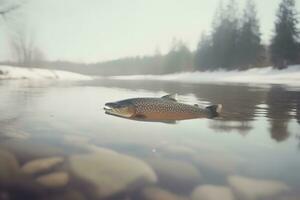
<point x="112" y="108"/>
<point x="109" y="106"/>
<point x="118" y="109"/>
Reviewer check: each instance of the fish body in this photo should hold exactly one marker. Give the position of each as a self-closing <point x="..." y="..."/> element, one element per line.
<point x="165" y="108"/>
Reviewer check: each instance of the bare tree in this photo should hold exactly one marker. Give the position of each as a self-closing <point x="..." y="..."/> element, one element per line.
<point x="22" y="39"/>
<point x="7" y="8"/>
<point x="24" y="48"/>
<point x="23" y="45"/>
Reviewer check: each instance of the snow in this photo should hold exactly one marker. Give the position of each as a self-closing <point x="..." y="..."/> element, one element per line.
<point x="9" y="72"/>
<point x="266" y="75"/>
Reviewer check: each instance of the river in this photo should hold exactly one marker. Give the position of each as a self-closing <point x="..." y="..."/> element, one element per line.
<point x="60" y="130"/>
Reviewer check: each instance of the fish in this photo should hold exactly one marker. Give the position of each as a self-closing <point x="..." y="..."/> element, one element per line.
<point x="166" y="108"/>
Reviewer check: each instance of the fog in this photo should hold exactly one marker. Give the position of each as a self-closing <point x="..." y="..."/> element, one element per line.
<point x="92" y="31"/>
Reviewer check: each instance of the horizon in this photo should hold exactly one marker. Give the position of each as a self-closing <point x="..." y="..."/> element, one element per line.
<point x="99" y="31"/>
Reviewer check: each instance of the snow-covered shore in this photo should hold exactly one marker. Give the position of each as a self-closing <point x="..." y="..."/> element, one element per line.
<point x="267" y="75"/>
<point x="9" y="72"/>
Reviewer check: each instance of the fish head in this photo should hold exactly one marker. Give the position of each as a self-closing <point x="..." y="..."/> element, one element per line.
<point x="120" y="108"/>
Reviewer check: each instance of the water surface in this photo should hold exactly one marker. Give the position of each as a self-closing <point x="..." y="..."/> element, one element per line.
<point x="250" y="152"/>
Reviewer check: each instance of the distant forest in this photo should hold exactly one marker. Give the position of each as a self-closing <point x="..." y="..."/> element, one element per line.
<point x="234" y="43"/>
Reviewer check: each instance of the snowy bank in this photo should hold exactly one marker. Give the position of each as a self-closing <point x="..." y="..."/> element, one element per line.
<point x="267" y="75"/>
<point x="8" y="72"/>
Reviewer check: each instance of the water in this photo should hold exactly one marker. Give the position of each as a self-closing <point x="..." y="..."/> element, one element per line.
<point x="250" y="152"/>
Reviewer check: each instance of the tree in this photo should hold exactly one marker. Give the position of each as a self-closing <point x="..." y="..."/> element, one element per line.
<point x="221" y="48"/>
<point x="7" y="7"/>
<point x="22" y="43"/>
<point x="179" y="58"/>
<point x="249" y="41"/>
<point x="224" y="36"/>
<point x="203" y="55"/>
<point x="285" y="46"/>
<point x="22" y="39"/>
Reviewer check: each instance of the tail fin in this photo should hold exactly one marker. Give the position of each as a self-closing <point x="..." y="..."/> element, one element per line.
<point x="214" y="110"/>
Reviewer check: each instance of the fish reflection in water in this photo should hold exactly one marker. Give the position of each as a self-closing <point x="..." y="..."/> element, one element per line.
<point x="165" y="109"/>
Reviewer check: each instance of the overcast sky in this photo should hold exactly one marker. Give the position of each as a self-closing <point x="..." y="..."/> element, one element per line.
<point x="98" y="30"/>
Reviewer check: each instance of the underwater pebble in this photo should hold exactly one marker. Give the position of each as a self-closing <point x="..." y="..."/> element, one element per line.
<point x="110" y="172"/>
<point x="9" y="165"/>
<point x="54" y="180"/>
<point x="40" y="165"/>
<point x="251" y="188"/>
<point x="174" y="174"/>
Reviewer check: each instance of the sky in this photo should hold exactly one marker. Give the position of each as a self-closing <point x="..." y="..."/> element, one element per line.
<point x="99" y="30"/>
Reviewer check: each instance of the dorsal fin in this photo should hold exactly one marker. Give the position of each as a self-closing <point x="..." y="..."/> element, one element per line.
<point x="172" y="97"/>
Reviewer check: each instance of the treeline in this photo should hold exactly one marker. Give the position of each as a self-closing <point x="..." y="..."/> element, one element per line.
<point x="179" y="58"/>
<point x="235" y="42"/>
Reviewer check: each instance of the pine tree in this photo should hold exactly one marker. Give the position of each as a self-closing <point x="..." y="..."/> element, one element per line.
<point x="203" y="55"/>
<point x="249" y="42"/>
<point x="224" y="36"/>
<point x="285" y="46"/>
<point x="179" y="58"/>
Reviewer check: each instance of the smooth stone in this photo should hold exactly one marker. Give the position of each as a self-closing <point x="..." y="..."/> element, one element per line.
<point x="175" y="174"/>
<point x="9" y="165"/>
<point x="110" y="172"/>
<point x="154" y="193"/>
<point x="40" y="165"/>
<point x="212" y="192"/>
<point x="251" y="189"/>
<point x="25" y="150"/>
<point x="54" y="180"/>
